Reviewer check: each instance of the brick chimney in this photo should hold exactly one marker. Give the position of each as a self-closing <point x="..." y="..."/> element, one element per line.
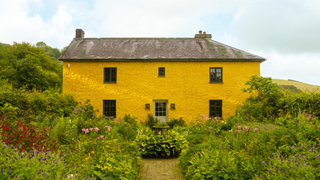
<point x="79" y="33"/>
<point x="204" y="35"/>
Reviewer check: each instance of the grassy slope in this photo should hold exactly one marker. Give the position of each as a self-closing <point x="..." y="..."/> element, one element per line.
<point x="299" y="85"/>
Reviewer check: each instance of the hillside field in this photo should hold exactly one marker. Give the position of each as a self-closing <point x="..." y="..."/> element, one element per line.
<point x="300" y="85"/>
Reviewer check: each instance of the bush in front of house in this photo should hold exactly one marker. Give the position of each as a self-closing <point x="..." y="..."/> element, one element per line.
<point x="170" y="144"/>
<point x="176" y="122"/>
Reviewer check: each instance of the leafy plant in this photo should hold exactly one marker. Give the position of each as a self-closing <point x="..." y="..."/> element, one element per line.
<point x="161" y="124"/>
<point x="176" y="122"/>
<point x="33" y="164"/>
<point x="26" y="137"/>
<point x="170" y="144"/>
<point x="151" y="121"/>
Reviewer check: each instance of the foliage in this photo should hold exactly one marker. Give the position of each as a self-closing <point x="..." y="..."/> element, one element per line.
<point x="33" y="164"/>
<point x="26" y="137"/>
<point x="161" y="124"/>
<point x="127" y="127"/>
<point x="31" y="104"/>
<point x="151" y="121"/>
<point x="106" y="157"/>
<point x="170" y="144"/>
<point x="268" y="102"/>
<point x="291" y="88"/>
<point x="25" y="65"/>
<point x="302" y="163"/>
<point x="263" y="100"/>
<point x="176" y="122"/>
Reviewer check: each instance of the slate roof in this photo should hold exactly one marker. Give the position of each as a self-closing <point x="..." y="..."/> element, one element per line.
<point x="153" y="49"/>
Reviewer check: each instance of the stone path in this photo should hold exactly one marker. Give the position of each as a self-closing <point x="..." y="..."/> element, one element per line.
<point x="160" y="169"/>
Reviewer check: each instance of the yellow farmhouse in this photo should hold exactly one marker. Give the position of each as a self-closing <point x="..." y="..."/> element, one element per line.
<point x="168" y="77"/>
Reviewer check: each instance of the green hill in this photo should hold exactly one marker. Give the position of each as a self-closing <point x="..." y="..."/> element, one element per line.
<point x="299" y="85"/>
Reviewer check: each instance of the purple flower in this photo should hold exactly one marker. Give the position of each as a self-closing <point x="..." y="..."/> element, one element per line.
<point x="258" y="175"/>
<point x="270" y="170"/>
<point x="9" y="172"/>
<point x="297" y="169"/>
<point x="316" y="157"/>
<point x="2" y="170"/>
<point x="263" y="162"/>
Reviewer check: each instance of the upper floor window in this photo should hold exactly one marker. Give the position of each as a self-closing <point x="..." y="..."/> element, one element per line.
<point x="161" y="72"/>
<point x="110" y="75"/>
<point x="215" y="108"/>
<point x="215" y="75"/>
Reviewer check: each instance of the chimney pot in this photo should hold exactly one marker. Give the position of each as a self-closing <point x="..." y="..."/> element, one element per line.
<point x="204" y="35"/>
<point x="79" y="33"/>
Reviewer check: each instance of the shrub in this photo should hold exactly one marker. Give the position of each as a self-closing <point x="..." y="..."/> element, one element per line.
<point x="108" y="158"/>
<point x="127" y="127"/>
<point x="176" y="122"/>
<point x="165" y="145"/>
<point x="151" y="121"/>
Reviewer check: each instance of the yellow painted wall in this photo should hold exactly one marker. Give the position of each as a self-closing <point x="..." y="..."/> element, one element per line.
<point x="185" y="83"/>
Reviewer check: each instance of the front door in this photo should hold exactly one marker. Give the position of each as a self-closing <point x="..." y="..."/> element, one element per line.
<point x="160" y="110"/>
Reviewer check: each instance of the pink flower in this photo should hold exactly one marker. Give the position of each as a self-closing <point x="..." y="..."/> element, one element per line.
<point x="96" y="129"/>
<point x="239" y="131"/>
<point x="98" y="137"/>
<point x="217" y="118"/>
<point x="101" y="136"/>
<point x="239" y="127"/>
<point x="203" y="116"/>
<point x="87" y="131"/>
<point x="208" y="118"/>
<point x="83" y="129"/>
<point x="255" y="129"/>
<point x="116" y="118"/>
<point x="108" y="127"/>
<point x="91" y="129"/>
<point x="246" y="128"/>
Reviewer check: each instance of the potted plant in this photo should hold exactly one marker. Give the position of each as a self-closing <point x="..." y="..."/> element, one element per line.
<point x="161" y="127"/>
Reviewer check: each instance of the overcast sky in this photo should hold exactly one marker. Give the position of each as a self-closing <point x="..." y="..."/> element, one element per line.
<point x="285" y="32"/>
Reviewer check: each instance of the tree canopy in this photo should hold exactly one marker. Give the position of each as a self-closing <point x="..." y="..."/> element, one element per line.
<point x="26" y="65"/>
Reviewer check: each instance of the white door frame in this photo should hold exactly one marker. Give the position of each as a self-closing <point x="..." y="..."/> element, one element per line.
<point x="163" y="117"/>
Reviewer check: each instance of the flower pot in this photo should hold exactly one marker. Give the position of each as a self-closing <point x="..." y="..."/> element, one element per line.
<point x="161" y="129"/>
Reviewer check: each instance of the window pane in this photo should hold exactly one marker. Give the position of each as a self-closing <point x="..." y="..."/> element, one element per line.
<point x="110" y="75"/>
<point x="109" y="108"/>
<point x="215" y="108"/>
<point x="161" y="72"/>
<point x="215" y="75"/>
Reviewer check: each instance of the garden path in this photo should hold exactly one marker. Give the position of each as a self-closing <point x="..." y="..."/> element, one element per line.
<point x="160" y="169"/>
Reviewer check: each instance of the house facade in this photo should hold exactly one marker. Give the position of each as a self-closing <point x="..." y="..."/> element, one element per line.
<point x="168" y="77"/>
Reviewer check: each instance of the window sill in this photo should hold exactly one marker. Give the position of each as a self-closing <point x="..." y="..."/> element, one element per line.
<point x="161" y="76"/>
<point x="109" y="83"/>
<point x="215" y="82"/>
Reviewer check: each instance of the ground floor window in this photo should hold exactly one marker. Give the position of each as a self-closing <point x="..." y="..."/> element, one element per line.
<point x="109" y="108"/>
<point x="215" y="108"/>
